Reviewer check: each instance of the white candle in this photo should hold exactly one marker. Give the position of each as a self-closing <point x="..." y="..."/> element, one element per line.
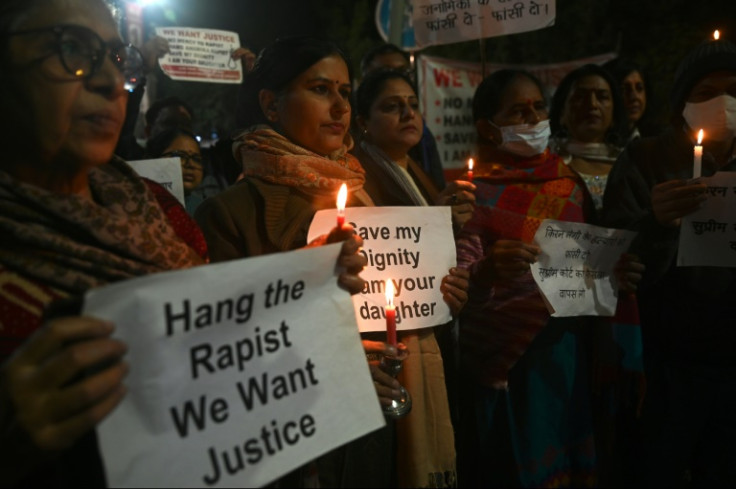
<point x="698" y="156"/>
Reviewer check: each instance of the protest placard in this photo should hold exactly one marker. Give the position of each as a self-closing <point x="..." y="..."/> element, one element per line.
<point x="449" y="21"/>
<point x="164" y="171"/>
<point x="239" y="372"/>
<point x="708" y="235"/>
<point x="412" y="246"/>
<point x="201" y="55"/>
<point x="575" y="271"/>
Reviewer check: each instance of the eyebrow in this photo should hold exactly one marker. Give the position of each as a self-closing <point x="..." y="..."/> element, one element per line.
<point x="327" y="80"/>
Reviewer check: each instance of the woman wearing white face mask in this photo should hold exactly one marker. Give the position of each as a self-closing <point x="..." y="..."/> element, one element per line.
<point x="688" y="313"/>
<point x="529" y="371"/>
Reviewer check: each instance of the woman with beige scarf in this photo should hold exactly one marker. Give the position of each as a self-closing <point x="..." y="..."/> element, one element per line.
<point x="295" y="106"/>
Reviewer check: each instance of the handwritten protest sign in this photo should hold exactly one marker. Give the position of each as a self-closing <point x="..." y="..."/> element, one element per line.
<point x="200" y="55"/>
<point x="448" y="21"/>
<point x="446" y="89"/>
<point x="412" y="246"/>
<point x="164" y="171"/>
<point x="575" y="269"/>
<point x="708" y="235"/>
<point x="239" y="372"/>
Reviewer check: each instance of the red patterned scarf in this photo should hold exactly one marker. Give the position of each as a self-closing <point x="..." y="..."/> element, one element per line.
<point x="512" y="199"/>
<point x="73" y="244"/>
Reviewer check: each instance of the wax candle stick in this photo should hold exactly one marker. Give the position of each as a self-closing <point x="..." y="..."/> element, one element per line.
<point x="390" y="314"/>
<point x="342" y="198"/>
<point x="470" y="170"/>
<point x="698" y="156"/>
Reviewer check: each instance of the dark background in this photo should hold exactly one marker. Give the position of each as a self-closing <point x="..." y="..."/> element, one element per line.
<point x="654" y="33"/>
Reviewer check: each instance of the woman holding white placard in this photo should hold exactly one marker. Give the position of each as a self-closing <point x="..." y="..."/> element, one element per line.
<point x="74" y="217"/>
<point x="688" y="313"/>
<point x="528" y="409"/>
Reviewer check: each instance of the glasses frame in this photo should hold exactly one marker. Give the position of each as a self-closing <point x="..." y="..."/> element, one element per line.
<point x="186" y="159"/>
<point x="130" y="64"/>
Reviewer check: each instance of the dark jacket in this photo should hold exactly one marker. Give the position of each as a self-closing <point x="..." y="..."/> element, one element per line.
<point x="688" y="313"/>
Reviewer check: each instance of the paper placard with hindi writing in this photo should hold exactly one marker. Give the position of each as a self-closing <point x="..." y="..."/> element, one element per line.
<point x="239" y="372"/>
<point x="414" y="247"/>
<point x="449" y="21"/>
<point x="708" y="235"/>
<point x="575" y="271"/>
<point x="164" y="171"/>
<point x="201" y="55"/>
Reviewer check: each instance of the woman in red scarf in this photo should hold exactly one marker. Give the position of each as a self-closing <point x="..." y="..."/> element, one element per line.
<point x="528" y="372"/>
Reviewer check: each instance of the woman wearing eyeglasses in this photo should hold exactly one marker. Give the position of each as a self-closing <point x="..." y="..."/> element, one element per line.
<point x="180" y="143"/>
<point x="72" y="217"/>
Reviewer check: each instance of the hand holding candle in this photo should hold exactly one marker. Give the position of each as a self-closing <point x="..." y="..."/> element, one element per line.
<point x="390" y="314"/>
<point x="342" y="198"/>
<point x="470" y="170"/>
<point x="698" y="156"/>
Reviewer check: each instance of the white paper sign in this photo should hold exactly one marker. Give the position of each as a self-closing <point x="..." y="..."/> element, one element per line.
<point x="575" y="269"/>
<point x="164" y="171"/>
<point x="708" y="235"/>
<point x="239" y="372"/>
<point x="201" y="55"/>
<point x="412" y="246"/>
<point x="449" y="21"/>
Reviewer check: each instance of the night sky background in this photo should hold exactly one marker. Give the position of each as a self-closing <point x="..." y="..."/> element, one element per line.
<point x="654" y="33"/>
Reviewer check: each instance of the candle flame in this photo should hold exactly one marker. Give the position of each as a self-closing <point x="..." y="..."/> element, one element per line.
<point x="716" y="35"/>
<point x="390" y="292"/>
<point x="342" y="197"/>
<point x="700" y="136"/>
<point x="470" y="164"/>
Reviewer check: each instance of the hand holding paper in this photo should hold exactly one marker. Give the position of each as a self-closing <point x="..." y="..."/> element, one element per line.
<point x="350" y="260"/>
<point x="54" y="403"/>
<point x="455" y="289"/>
<point x="507" y="259"/>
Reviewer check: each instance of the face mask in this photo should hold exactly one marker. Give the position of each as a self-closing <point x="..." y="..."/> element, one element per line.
<point x="716" y="117"/>
<point x="525" y="139"/>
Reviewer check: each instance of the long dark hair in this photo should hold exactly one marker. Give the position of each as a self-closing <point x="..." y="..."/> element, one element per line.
<point x="276" y="66"/>
<point x="617" y="133"/>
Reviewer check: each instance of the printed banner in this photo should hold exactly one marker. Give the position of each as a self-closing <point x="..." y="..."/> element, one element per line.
<point x="575" y="271"/>
<point x="201" y="55"/>
<point x="239" y="372"/>
<point x="449" y="21"/>
<point x="446" y="90"/>
<point x="708" y="235"/>
<point x="164" y="171"/>
<point x="412" y="246"/>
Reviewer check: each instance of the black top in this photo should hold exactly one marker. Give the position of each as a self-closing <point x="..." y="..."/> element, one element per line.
<point x="688" y="314"/>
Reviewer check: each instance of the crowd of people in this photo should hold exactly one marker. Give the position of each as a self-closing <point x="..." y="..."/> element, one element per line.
<point x="506" y="394"/>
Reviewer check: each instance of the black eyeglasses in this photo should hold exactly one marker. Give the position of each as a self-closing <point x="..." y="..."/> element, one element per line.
<point x="186" y="158"/>
<point x="82" y="53"/>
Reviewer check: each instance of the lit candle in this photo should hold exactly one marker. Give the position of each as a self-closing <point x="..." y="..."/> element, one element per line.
<point x="716" y="35"/>
<point x="698" y="156"/>
<point x="390" y="314"/>
<point x="470" y="170"/>
<point x="342" y="198"/>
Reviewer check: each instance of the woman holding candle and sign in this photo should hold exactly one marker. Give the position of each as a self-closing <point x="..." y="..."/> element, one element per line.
<point x="390" y="122"/>
<point x="295" y="109"/>
<point x="688" y="313"/>
<point x="528" y="395"/>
